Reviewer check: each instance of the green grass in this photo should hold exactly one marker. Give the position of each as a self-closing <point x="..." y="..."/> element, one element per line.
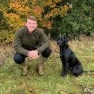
<point x="12" y="82"/>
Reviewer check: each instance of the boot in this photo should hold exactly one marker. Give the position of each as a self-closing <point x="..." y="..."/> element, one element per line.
<point x="41" y="62"/>
<point x="25" y="68"/>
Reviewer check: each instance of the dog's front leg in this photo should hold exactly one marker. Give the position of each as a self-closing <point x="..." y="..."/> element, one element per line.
<point x="65" y="68"/>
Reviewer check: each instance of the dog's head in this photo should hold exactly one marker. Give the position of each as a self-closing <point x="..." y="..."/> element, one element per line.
<point x="62" y="41"/>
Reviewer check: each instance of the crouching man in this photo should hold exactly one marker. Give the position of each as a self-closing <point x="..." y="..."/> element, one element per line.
<point x="31" y="41"/>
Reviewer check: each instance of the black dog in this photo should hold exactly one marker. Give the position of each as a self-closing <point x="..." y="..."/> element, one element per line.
<point x="68" y="58"/>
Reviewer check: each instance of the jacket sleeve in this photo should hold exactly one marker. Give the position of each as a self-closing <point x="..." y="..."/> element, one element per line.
<point x="45" y="42"/>
<point x="18" y="45"/>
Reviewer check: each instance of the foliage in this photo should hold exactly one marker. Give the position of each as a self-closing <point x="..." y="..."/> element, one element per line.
<point x="15" y="12"/>
<point x="6" y="37"/>
<point x="66" y="16"/>
<point x="3" y="21"/>
<point x="77" y="21"/>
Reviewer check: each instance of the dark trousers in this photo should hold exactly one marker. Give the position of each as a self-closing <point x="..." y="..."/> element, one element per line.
<point x="19" y="58"/>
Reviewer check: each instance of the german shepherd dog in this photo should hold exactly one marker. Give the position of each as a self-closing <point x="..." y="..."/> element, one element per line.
<point x="68" y="58"/>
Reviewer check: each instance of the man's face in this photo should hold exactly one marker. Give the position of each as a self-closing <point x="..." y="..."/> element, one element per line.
<point x="31" y="25"/>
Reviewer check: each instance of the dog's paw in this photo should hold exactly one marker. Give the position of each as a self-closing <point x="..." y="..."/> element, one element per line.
<point x="63" y="75"/>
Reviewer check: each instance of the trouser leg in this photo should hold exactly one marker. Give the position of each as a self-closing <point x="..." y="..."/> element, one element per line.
<point x="20" y="59"/>
<point x="46" y="53"/>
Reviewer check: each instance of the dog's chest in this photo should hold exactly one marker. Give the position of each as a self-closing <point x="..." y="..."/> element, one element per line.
<point x="65" y="53"/>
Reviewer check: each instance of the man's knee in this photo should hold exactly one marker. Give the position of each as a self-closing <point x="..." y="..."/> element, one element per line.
<point x="46" y="52"/>
<point x="18" y="58"/>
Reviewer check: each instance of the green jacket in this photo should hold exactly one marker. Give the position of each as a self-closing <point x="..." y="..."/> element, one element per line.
<point x="24" y="41"/>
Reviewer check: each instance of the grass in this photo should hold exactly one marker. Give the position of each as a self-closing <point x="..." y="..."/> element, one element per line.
<point x="12" y="82"/>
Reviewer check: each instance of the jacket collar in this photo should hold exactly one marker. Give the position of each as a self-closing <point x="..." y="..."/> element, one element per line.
<point x="27" y="32"/>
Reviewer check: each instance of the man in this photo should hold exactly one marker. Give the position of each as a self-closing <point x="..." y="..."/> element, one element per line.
<point x="30" y="41"/>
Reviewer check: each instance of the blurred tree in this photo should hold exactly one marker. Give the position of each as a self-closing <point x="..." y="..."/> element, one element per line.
<point x="68" y="17"/>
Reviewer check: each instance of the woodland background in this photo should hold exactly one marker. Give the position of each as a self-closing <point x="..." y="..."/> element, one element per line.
<point x="67" y="17"/>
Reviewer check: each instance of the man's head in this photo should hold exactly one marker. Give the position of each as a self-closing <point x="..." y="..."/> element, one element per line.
<point x="31" y="23"/>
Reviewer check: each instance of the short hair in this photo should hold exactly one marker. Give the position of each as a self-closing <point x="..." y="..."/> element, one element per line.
<point x="31" y="17"/>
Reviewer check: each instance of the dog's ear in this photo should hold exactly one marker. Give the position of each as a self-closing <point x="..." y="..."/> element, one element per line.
<point x="58" y="37"/>
<point x="66" y="39"/>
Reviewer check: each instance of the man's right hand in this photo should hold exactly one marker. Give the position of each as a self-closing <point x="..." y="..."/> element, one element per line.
<point x="33" y="54"/>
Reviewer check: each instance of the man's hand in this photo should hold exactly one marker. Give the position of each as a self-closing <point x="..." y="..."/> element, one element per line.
<point x="33" y="54"/>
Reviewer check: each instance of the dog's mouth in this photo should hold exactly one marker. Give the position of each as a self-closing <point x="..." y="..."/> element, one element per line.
<point x="61" y="42"/>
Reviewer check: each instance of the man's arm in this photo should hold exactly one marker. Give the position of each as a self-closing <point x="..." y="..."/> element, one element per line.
<point x="18" y="45"/>
<point x="45" y="42"/>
